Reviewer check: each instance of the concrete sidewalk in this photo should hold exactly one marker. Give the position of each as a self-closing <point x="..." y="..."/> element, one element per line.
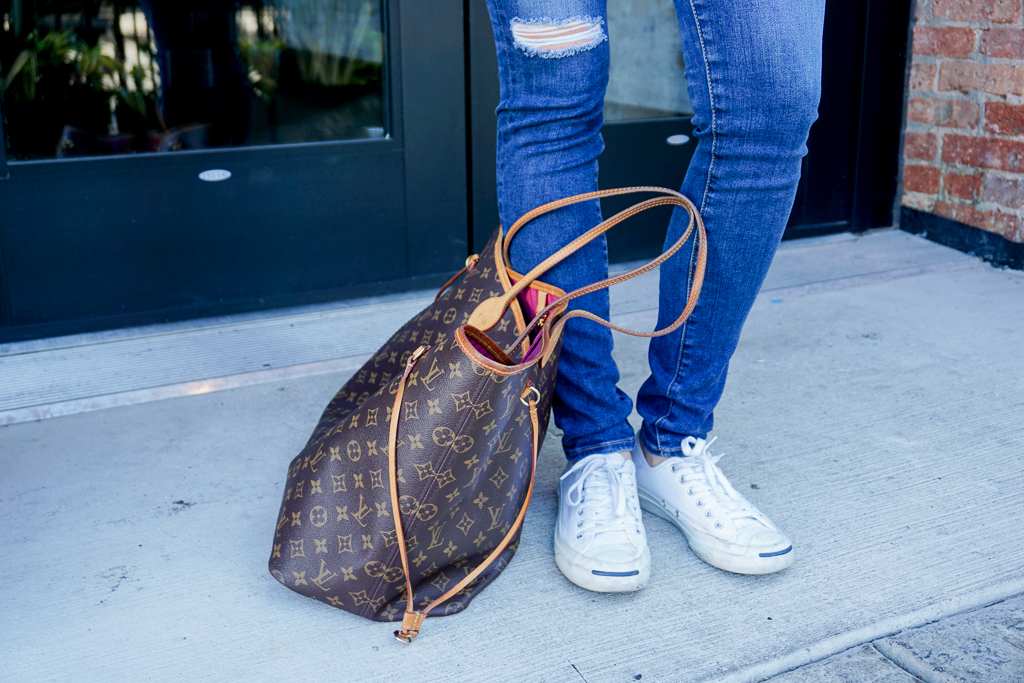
<point x="876" y="416"/>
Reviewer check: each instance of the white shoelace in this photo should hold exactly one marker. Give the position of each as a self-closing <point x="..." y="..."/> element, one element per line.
<point x="602" y="487"/>
<point x="699" y="474"/>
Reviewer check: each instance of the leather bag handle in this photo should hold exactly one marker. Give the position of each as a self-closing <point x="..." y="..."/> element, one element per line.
<point x="489" y="308"/>
<point x="577" y="199"/>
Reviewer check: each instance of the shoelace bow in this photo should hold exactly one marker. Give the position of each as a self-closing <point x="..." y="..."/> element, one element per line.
<point x="600" y="485"/>
<point x="700" y="473"/>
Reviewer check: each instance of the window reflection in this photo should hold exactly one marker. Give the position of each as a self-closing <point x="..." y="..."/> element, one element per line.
<point x="94" y="77"/>
<point x="646" y="79"/>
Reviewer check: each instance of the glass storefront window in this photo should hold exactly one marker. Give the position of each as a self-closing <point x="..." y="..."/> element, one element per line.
<point x="96" y="77"/>
<point x="646" y="79"/>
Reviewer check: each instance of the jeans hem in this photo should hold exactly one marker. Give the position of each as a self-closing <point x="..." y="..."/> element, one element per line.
<point x="608" y="447"/>
<point x="656" y="449"/>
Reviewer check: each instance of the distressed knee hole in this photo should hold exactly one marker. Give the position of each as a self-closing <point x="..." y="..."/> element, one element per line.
<point x="553" y="39"/>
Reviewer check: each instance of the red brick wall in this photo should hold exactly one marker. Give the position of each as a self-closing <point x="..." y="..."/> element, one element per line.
<point x="964" y="144"/>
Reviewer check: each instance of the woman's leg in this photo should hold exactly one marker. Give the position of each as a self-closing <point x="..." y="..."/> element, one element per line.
<point x="553" y="65"/>
<point x="754" y="71"/>
<point x="553" y="68"/>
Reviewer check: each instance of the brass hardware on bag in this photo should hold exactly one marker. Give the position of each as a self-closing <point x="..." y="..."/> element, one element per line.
<point x="529" y="389"/>
<point x="471" y="262"/>
<point x="418" y="353"/>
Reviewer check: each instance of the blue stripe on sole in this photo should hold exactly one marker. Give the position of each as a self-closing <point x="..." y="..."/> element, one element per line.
<point x="600" y="573"/>
<point x="775" y="554"/>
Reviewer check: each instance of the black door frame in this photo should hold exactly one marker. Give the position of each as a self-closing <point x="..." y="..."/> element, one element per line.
<point x="422" y="184"/>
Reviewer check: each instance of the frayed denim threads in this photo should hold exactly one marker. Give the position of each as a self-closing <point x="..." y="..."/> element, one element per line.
<point x="591" y="35"/>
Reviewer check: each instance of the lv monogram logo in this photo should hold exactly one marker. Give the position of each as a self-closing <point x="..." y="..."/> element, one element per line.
<point x="324" y="576"/>
<point x="315" y="462"/>
<point x="436" y="540"/>
<point x="509" y="406"/>
<point x="362" y="512"/>
<point x="501" y="444"/>
<point x="432" y="375"/>
<point x="495" y="516"/>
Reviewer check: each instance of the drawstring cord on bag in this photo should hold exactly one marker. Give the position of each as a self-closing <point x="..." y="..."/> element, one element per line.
<point x="412" y="621"/>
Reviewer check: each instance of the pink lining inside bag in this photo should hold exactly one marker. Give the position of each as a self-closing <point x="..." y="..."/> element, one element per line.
<point x="531" y="300"/>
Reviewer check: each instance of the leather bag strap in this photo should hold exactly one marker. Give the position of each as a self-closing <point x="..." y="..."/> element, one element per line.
<point x="691" y="301"/>
<point x="576" y="199"/>
<point x="488" y="312"/>
<point x="412" y="621"/>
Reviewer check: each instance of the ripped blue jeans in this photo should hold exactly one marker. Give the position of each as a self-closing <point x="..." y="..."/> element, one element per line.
<point x="753" y="69"/>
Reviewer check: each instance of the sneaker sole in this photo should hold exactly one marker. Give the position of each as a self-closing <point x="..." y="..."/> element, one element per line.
<point x="716" y="552"/>
<point x="602" y="577"/>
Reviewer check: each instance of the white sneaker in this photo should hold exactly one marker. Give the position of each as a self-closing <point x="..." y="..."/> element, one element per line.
<point x="600" y="542"/>
<point x="722" y="527"/>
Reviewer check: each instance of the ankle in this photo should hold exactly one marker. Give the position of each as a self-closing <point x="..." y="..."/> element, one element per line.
<point x="652" y="459"/>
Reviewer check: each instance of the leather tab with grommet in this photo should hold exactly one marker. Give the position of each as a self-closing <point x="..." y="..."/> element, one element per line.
<point x="411" y="623"/>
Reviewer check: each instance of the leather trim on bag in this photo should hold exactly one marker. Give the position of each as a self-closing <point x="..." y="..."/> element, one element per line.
<point x="485" y="362"/>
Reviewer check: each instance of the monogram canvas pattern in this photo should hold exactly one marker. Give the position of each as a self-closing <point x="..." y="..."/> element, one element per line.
<point x="434" y="326"/>
<point x="463" y="448"/>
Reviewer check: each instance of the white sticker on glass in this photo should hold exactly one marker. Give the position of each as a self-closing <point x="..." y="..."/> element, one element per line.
<point x="214" y="175"/>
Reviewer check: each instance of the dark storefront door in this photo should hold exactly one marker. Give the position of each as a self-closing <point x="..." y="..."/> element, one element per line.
<point x="359" y="139"/>
<point x="185" y="158"/>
